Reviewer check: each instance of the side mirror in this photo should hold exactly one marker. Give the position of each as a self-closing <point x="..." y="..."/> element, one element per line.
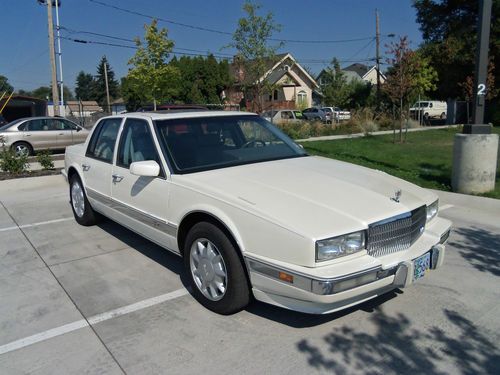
<point x="147" y="168"/>
<point x="78" y="129"/>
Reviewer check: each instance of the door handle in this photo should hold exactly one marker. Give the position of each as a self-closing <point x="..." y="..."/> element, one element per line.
<point x="61" y="133"/>
<point x="85" y="167"/>
<point x="117" y="177"/>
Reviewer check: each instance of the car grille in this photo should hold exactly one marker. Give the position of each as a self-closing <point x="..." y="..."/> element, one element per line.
<point x="397" y="233"/>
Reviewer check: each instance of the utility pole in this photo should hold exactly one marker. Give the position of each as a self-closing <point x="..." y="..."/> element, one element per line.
<point x="55" y="95"/>
<point x="107" y="86"/>
<point x="475" y="151"/>
<point x="62" y="110"/>
<point x="377" y="56"/>
<point x="480" y="88"/>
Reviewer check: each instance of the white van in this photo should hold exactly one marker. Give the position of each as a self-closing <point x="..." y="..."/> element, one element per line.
<point x="429" y="109"/>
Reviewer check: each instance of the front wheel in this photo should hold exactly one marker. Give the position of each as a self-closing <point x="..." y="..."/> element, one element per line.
<point x="83" y="212"/>
<point x="215" y="270"/>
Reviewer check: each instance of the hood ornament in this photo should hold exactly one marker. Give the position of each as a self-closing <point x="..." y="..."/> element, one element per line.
<point x="397" y="195"/>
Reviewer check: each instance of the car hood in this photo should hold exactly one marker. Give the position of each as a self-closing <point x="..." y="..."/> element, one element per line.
<point x="312" y="196"/>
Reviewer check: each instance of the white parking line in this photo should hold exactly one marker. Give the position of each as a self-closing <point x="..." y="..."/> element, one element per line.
<point x="36" y="224"/>
<point x="58" y="331"/>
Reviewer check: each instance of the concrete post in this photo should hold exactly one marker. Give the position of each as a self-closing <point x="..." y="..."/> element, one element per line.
<point x="475" y="159"/>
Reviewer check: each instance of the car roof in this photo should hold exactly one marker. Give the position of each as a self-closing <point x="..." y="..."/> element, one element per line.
<point x="177" y="115"/>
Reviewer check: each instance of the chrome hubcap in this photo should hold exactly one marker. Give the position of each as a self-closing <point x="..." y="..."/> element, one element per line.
<point x="22" y="150"/>
<point x="208" y="269"/>
<point x="77" y="199"/>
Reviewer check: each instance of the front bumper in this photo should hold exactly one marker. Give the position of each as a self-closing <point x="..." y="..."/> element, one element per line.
<point x="314" y="294"/>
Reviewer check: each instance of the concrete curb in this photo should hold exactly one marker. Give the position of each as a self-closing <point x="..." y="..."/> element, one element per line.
<point x="382" y="132"/>
<point x="469" y="201"/>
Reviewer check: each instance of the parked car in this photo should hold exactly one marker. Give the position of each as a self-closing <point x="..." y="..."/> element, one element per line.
<point x="252" y="213"/>
<point x="429" y="109"/>
<point x="314" y="113"/>
<point x="30" y="134"/>
<point x="283" y="116"/>
<point x="336" y="114"/>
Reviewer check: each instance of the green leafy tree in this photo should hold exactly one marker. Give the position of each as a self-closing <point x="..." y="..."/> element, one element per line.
<point x="45" y="93"/>
<point x="99" y="86"/>
<point x="85" y="86"/>
<point x="203" y="79"/>
<point x="335" y="88"/>
<point x="409" y="75"/>
<point x="151" y="75"/>
<point x="449" y="30"/>
<point x="5" y="85"/>
<point x="254" y="52"/>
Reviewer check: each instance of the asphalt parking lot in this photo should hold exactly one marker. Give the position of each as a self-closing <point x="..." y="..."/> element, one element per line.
<point x="102" y="300"/>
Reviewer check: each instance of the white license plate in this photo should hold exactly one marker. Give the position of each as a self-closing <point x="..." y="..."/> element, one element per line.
<point x="421" y="265"/>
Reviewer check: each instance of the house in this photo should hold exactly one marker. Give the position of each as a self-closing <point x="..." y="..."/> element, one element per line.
<point x="293" y="86"/>
<point x="356" y="72"/>
<point x="18" y="106"/>
<point x="82" y="108"/>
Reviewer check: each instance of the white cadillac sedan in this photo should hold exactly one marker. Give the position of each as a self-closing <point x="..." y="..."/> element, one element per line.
<point x="252" y="214"/>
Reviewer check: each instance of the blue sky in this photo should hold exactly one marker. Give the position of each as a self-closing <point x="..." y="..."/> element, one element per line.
<point x="24" y="59"/>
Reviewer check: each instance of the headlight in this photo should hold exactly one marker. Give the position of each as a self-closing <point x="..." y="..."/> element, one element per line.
<point x="432" y="210"/>
<point x="340" y="246"/>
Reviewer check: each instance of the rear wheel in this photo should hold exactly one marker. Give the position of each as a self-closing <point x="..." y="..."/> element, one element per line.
<point x="215" y="270"/>
<point x="22" y="148"/>
<point x="83" y="212"/>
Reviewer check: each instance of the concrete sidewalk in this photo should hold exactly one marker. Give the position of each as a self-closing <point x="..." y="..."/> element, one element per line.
<point x="382" y="132"/>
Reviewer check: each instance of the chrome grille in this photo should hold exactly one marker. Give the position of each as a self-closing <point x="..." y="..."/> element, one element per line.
<point x="397" y="233"/>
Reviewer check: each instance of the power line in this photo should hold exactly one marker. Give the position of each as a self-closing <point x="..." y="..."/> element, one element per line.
<point x="206" y="29"/>
<point x="174" y="51"/>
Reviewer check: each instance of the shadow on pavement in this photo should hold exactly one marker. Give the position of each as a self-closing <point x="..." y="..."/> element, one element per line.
<point x="147" y="248"/>
<point x="397" y="347"/>
<point x="480" y="247"/>
<point x="300" y="320"/>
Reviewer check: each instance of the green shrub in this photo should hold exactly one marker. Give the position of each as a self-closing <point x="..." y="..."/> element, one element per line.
<point x="12" y="163"/>
<point x="44" y="157"/>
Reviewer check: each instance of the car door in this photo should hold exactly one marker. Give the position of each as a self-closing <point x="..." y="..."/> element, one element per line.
<point x="142" y="201"/>
<point x="79" y="134"/>
<point x="98" y="162"/>
<point x="37" y="132"/>
<point x="64" y="133"/>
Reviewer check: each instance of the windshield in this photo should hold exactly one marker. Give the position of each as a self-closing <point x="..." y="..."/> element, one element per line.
<point x="198" y="144"/>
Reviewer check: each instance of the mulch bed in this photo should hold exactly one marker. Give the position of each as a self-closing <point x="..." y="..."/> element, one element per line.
<point x="48" y="172"/>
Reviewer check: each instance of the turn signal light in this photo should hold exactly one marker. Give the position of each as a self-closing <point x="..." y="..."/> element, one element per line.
<point x="286" y="277"/>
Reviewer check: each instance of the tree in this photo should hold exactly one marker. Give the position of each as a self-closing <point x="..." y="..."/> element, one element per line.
<point x="5" y="85"/>
<point x="409" y="75"/>
<point x="335" y="88"/>
<point x="85" y="86"/>
<point x="45" y="93"/>
<point x="254" y="53"/>
<point x="449" y="30"/>
<point x="100" y="83"/>
<point x="151" y="75"/>
<point x="202" y="79"/>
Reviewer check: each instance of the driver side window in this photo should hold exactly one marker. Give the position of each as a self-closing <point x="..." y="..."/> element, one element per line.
<point x="136" y="144"/>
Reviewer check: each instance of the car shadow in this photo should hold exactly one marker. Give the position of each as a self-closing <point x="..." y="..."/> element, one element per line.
<point x="147" y="248"/>
<point x="296" y="319"/>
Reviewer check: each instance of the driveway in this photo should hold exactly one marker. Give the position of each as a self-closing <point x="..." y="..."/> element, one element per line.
<point x="102" y="300"/>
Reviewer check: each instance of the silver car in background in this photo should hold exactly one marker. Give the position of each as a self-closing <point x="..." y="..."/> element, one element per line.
<point x="31" y="134"/>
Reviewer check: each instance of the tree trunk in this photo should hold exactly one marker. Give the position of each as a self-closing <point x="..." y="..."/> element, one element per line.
<point x="400" y="120"/>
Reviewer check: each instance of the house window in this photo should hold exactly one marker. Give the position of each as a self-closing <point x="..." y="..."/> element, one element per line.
<point x="302" y="99"/>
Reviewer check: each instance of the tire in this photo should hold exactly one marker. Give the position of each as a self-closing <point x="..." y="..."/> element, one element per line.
<point x="83" y="212"/>
<point x="22" y="148"/>
<point x="214" y="270"/>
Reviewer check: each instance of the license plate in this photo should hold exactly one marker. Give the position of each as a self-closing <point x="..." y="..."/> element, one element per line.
<point x="421" y="264"/>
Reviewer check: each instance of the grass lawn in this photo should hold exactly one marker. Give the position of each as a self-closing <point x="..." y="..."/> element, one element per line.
<point x="425" y="159"/>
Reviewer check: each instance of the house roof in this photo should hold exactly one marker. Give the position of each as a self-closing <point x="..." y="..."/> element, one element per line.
<point x="360" y="69"/>
<point x="83" y="105"/>
<point x="272" y="64"/>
